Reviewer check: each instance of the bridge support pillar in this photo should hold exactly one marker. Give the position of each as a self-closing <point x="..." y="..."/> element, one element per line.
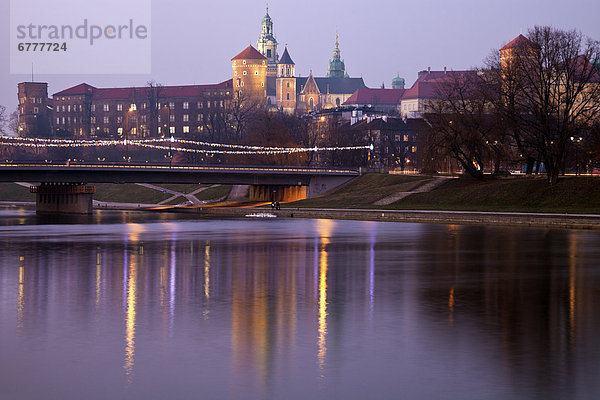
<point x="277" y="193"/>
<point x="63" y="198"/>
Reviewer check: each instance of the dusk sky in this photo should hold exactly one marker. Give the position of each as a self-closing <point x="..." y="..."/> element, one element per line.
<point x="193" y="41"/>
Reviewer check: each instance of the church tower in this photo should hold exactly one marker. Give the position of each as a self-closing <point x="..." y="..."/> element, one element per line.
<point x="337" y="68"/>
<point x="286" y="84"/>
<point x="267" y="44"/>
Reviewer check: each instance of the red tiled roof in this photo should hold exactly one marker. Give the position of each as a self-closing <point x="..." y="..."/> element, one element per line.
<point x="82" y="88"/>
<point x="426" y="85"/>
<point x="249" y="53"/>
<point x="375" y="96"/>
<point x="141" y="92"/>
<point x="520" y="42"/>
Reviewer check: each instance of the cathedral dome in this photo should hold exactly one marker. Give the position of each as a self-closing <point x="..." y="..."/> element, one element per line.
<point x="398" y="83"/>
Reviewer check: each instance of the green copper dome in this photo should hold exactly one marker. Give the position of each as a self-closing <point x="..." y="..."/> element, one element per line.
<point x="337" y="68"/>
<point x="398" y="82"/>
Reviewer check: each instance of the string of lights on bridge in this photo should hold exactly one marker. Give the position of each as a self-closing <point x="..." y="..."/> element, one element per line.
<point x="160" y="145"/>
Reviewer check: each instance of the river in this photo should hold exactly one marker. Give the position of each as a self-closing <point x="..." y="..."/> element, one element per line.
<point x="128" y="305"/>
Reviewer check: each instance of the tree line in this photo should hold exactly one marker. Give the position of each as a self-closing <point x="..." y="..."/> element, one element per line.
<point x="536" y="105"/>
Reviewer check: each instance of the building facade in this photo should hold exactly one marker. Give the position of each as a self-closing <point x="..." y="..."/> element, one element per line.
<point x="84" y="111"/>
<point x="35" y="110"/>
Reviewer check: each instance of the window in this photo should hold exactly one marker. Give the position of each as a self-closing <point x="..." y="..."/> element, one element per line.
<point x="120" y="131"/>
<point x="288" y="96"/>
<point x="36" y="110"/>
<point x="159" y="129"/>
<point x="200" y="104"/>
<point x="39" y="100"/>
<point x="262" y="84"/>
<point x="200" y="117"/>
<point x="221" y="104"/>
<point x="172" y="130"/>
<point x="144" y="118"/>
<point x="172" y="105"/>
<point x="244" y="62"/>
<point x="119" y="107"/>
<point x="80" y="108"/>
<point x="69" y="108"/>
<point x="208" y="102"/>
<point x="255" y="72"/>
<point x="186" y="118"/>
<point x="186" y="129"/>
<point x="268" y="50"/>
<point x="288" y="84"/>
<point x="199" y="128"/>
<point x="414" y="149"/>
<point x="405" y="138"/>
<point x="63" y="120"/>
<point x="119" y="120"/>
<point x="93" y="120"/>
<point x="186" y="105"/>
<point x="245" y="73"/>
<point x="337" y="102"/>
<point x="57" y="121"/>
<point x="172" y="118"/>
<point x="106" y="107"/>
<point x="235" y="73"/>
<point x="106" y="120"/>
<point x="93" y="107"/>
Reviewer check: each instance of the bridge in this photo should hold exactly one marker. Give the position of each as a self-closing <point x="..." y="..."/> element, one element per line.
<point x="64" y="188"/>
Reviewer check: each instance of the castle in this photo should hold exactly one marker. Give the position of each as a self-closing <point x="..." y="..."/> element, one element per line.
<point x="274" y="79"/>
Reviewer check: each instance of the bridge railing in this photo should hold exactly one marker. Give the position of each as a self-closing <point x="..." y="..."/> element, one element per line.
<point x="63" y="189"/>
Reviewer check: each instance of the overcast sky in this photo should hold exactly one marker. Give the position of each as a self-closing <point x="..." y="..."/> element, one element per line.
<point x="193" y="41"/>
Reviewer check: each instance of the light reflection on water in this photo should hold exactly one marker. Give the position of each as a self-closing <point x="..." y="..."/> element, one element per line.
<point x="126" y="305"/>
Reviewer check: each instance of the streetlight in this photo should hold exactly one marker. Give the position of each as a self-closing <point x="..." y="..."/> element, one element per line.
<point x="321" y="119"/>
<point x="576" y="140"/>
<point x="130" y="111"/>
<point x="170" y="153"/>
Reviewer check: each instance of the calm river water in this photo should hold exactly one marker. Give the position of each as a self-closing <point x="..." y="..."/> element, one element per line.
<point x="161" y="306"/>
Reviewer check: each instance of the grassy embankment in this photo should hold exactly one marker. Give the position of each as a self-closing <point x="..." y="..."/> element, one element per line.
<point x="124" y="193"/>
<point x="524" y="194"/>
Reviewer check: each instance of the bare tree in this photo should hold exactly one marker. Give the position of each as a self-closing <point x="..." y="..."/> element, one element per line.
<point x="3" y="120"/>
<point x="154" y="93"/>
<point x="559" y="93"/>
<point x="462" y="123"/>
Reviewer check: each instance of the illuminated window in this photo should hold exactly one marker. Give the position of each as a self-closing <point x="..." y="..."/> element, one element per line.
<point x="172" y="118"/>
<point x="120" y="131"/>
<point x="186" y="105"/>
<point x="186" y="118"/>
<point x="414" y="149"/>
<point x="186" y="129"/>
<point x="172" y="130"/>
<point x="119" y="107"/>
<point x="106" y="107"/>
<point x="106" y="120"/>
<point x="172" y="105"/>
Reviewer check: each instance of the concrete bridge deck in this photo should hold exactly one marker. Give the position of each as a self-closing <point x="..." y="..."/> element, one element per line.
<point x="135" y="173"/>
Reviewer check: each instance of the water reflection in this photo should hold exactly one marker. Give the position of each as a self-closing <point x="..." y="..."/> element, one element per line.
<point x="300" y="309"/>
<point x="325" y="228"/>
